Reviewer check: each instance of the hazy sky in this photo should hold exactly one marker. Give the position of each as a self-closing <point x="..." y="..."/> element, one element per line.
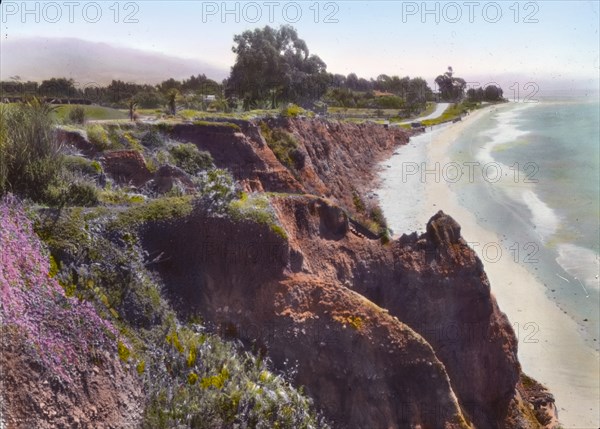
<point x="554" y="42"/>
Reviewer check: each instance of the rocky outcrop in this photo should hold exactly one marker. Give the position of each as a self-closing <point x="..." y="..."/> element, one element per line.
<point x="78" y="140"/>
<point x="436" y="285"/>
<point x="341" y="158"/>
<point x="168" y="176"/>
<point x="126" y="167"/>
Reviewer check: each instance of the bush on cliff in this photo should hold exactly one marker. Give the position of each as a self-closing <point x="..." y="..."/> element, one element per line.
<point x="216" y="189"/>
<point x="220" y="386"/>
<point x="73" y="190"/>
<point x="291" y="110"/>
<point x="257" y="208"/>
<point x="190" y="159"/>
<point x="284" y="146"/>
<point x="98" y="137"/>
<point x="152" y="139"/>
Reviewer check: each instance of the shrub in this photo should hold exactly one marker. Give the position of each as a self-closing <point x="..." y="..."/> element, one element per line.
<point x="73" y="190"/>
<point x="291" y="111"/>
<point x="77" y="115"/>
<point x="236" y="389"/>
<point x="217" y="188"/>
<point x="98" y="137"/>
<point x="160" y="209"/>
<point x="132" y="142"/>
<point x="226" y="125"/>
<point x="389" y="102"/>
<point x="81" y="165"/>
<point x="256" y="207"/>
<point x="30" y="158"/>
<point x="190" y="159"/>
<point x="378" y="217"/>
<point x="152" y="139"/>
<point x="359" y="205"/>
<point x="284" y="146"/>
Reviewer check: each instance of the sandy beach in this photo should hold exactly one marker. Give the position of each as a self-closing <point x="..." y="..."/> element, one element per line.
<point x="550" y="347"/>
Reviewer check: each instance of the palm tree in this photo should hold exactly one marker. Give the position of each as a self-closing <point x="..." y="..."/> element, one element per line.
<point x="172" y="96"/>
<point x="132" y="106"/>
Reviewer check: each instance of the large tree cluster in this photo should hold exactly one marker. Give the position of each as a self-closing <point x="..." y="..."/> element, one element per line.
<point x="275" y="65"/>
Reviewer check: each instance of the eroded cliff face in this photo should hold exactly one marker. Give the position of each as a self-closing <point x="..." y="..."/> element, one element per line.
<point x="405" y="334"/>
<point x="338" y="158"/>
<point x="436" y="285"/>
<point x="363" y="366"/>
<point x="394" y="336"/>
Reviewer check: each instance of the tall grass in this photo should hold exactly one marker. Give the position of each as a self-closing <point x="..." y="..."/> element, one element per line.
<point x="30" y="158"/>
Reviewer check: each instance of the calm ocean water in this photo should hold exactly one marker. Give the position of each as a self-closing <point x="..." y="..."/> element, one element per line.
<point x="537" y="184"/>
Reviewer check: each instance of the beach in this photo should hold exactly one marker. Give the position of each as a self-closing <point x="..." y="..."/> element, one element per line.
<point x="418" y="181"/>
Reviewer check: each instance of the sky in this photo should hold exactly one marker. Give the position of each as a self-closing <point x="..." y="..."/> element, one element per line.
<point x="552" y="43"/>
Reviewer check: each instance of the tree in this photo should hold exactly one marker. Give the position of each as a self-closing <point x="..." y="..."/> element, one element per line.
<point x="58" y="87"/>
<point x="132" y="105"/>
<point x="275" y="64"/>
<point x="417" y="94"/>
<point x="172" y="97"/>
<point x="451" y="87"/>
<point x="492" y="93"/>
<point x="168" y="85"/>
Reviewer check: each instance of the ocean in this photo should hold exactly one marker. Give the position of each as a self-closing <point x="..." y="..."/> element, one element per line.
<point x="538" y="174"/>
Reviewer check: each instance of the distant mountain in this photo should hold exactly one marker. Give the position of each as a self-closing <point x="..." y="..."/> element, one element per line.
<point x="92" y="62"/>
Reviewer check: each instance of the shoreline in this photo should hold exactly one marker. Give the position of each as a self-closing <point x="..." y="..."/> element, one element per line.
<point x="543" y="330"/>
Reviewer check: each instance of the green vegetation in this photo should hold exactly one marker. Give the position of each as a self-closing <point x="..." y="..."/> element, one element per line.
<point x="30" y="160"/>
<point x="192" y="378"/>
<point x="284" y="146"/>
<point x="223" y="387"/>
<point x="285" y="70"/>
<point x="454" y="111"/>
<point x="77" y="115"/>
<point x="292" y="111"/>
<point x="98" y="136"/>
<point x="90" y="112"/>
<point x="120" y="196"/>
<point x="451" y="87"/>
<point x="161" y="209"/>
<point x="152" y="139"/>
<point x="491" y="93"/>
<point x="256" y="207"/>
<point x="359" y="204"/>
<point x="231" y="125"/>
<point x="72" y="190"/>
<point x="216" y="188"/>
<point x="190" y="159"/>
<point x="84" y="166"/>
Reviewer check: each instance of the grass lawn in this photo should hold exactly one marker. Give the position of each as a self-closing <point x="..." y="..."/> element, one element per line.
<point x="92" y="112"/>
<point x="376" y="114"/>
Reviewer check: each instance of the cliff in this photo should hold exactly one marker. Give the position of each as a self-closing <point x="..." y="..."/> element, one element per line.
<point x="433" y="285"/>
<point x="394" y="335"/>
<point x="409" y="328"/>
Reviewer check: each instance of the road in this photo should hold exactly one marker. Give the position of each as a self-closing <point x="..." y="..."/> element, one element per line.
<point x="439" y="109"/>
